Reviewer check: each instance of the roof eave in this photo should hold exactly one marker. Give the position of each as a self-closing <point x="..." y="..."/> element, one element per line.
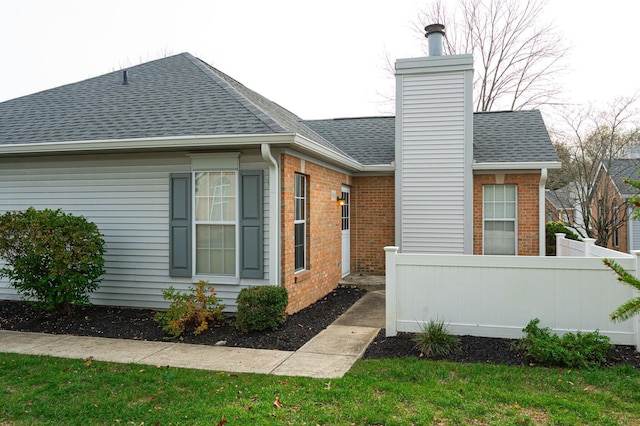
<point x="529" y="165"/>
<point x="155" y="143"/>
<point x="315" y="149"/>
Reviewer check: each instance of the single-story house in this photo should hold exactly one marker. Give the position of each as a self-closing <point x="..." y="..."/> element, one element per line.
<point x="191" y="175"/>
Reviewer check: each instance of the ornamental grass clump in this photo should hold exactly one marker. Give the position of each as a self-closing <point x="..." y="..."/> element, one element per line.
<point x="53" y="259"/>
<point x="196" y="310"/>
<point x="433" y="340"/>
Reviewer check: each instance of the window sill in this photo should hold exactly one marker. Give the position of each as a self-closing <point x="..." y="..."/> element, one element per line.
<point x="217" y="279"/>
<point x="301" y="276"/>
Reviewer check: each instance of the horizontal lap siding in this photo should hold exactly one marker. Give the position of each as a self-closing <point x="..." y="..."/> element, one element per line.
<point x="433" y="163"/>
<point x="128" y="198"/>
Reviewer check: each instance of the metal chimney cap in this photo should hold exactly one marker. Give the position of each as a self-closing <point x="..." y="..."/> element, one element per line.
<point x="434" y="28"/>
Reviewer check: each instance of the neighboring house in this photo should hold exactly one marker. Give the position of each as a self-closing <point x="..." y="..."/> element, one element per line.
<point x="610" y="207"/>
<point x="560" y="207"/>
<point x="190" y="175"/>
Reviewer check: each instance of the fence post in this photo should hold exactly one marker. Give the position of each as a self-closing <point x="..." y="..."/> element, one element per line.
<point x="391" y="293"/>
<point x="559" y="238"/>
<point x="636" y="319"/>
<point x="588" y="243"/>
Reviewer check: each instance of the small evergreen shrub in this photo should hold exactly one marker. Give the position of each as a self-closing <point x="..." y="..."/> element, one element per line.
<point x="261" y="308"/>
<point x="53" y="259"/>
<point x="434" y="340"/>
<point x="571" y="350"/>
<point x="553" y="228"/>
<point x="196" y="310"/>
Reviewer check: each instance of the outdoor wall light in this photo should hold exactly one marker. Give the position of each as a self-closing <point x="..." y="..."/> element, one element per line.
<point x="341" y="201"/>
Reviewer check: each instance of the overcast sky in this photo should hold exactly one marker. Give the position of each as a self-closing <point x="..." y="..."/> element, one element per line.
<point x="319" y="59"/>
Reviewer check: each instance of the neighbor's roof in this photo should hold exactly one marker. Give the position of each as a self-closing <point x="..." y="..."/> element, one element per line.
<point x="622" y="168"/>
<point x="498" y="137"/>
<point x="175" y="96"/>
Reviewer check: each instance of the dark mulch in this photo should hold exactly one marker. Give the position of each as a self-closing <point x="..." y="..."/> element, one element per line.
<point x="479" y="349"/>
<point x="139" y="324"/>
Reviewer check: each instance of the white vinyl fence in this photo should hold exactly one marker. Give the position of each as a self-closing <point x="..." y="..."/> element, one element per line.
<point x="497" y="296"/>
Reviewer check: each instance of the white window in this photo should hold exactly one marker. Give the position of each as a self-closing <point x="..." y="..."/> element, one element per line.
<point x="215" y="222"/>
<point x="500" y="227"/>
<point x="300" y="222"/>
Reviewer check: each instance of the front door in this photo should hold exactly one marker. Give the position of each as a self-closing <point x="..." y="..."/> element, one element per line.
<point x="346" y="233"/>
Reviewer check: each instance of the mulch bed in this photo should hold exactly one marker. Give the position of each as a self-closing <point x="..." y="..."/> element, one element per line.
<point x="139" y="324"/>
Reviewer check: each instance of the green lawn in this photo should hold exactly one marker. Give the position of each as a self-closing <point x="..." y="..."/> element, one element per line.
<point x="43" y="390"/>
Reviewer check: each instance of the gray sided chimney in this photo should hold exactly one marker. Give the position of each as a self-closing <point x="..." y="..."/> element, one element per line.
<point x="434" y="34"/>
<point x="434" y="151"/>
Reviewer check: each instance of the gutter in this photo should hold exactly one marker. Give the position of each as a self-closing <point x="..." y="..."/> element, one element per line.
<point x="517" y="165"/>
<point x="156" y="143"/>
<point x="274" y="214"/>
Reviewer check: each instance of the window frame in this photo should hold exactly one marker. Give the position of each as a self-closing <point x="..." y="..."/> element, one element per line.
<point x="218" y="277"/>
<point x="503" y="219"/>
<point x="300" y="198"/>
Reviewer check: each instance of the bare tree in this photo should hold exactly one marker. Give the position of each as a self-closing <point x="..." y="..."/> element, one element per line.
<point x="518" y="56"/>
<point x="596" y="140"/>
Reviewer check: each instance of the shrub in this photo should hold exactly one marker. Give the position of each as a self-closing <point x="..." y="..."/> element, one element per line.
<point x="434" y="340"/>
<point x="54" y="259"/>
<point x="571" y="350"/>
<point x="261" y="308"/>
<point x="195" y="310"/>
<point x="553" y="228"/>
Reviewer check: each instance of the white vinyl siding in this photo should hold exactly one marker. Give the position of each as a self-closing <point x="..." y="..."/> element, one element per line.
<point x="433" y="163"/>
<point x="127" y="196"/>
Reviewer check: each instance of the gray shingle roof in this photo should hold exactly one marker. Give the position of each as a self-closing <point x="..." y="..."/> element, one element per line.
<point x="174" y="96"/>
<point x="625" y="168"/>
<point x="511" y="136"/>
<point x="369" y="140"/>
<point x="183" y="96"/>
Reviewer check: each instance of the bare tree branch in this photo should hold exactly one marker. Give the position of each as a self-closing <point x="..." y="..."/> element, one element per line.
<point x="518" y="57"/>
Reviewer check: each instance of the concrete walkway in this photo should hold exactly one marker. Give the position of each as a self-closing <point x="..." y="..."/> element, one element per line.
<point x="328" y="355"/>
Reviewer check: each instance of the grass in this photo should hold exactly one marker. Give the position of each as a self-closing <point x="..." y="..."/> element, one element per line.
<point x="37" y="390"/>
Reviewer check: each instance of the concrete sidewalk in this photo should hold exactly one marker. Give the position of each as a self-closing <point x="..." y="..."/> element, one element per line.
<point x="330" y="354"/>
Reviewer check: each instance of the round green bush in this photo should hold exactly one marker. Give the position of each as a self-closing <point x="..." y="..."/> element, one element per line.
<point x="261" y="308"/>
<point x="54" y="259"/>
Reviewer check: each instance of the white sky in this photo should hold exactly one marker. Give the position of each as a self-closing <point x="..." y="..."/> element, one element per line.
<point x="317" y="58"/>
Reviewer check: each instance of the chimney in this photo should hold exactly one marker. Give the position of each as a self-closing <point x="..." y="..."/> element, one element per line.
<point x="434" y="34"/>
<point x="125" y="78"/>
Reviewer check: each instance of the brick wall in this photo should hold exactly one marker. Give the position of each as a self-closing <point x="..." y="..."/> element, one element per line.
<point x="372" y="222"/>
<point x="528" y="201"/>
<point x="324" y="232"/>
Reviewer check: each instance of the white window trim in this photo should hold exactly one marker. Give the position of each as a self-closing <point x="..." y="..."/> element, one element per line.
<point x="515" y="219"/>
<point x="300" y="221"/>
<point x="218" y="279"/>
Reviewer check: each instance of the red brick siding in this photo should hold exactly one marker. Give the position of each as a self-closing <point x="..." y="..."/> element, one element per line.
<point x="528" y="211"/>
<point x="324" y="233"/>
<point x="372" y="222"/>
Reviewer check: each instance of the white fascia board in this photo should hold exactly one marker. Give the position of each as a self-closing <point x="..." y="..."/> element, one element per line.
<point x="516" y="166"/>
<point x="433" y="64"/>
<point x="379" y="168"/>
<point x="320" y="151"/>
<point x="161" y="143"/>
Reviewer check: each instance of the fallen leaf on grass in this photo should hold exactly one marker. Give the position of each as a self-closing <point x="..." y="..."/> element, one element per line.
<point x="222" y="422"/>
<point x="277" y="402"/>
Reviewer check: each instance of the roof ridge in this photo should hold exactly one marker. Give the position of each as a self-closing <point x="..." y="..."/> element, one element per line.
<point x="212" y="72"/>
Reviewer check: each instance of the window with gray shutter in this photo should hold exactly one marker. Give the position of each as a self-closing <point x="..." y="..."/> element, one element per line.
<point x="180" y="225"/>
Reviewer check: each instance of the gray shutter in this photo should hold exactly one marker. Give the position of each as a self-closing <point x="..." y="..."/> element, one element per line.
<point x="251" y="206"/>
<point x="180" y="225"/>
